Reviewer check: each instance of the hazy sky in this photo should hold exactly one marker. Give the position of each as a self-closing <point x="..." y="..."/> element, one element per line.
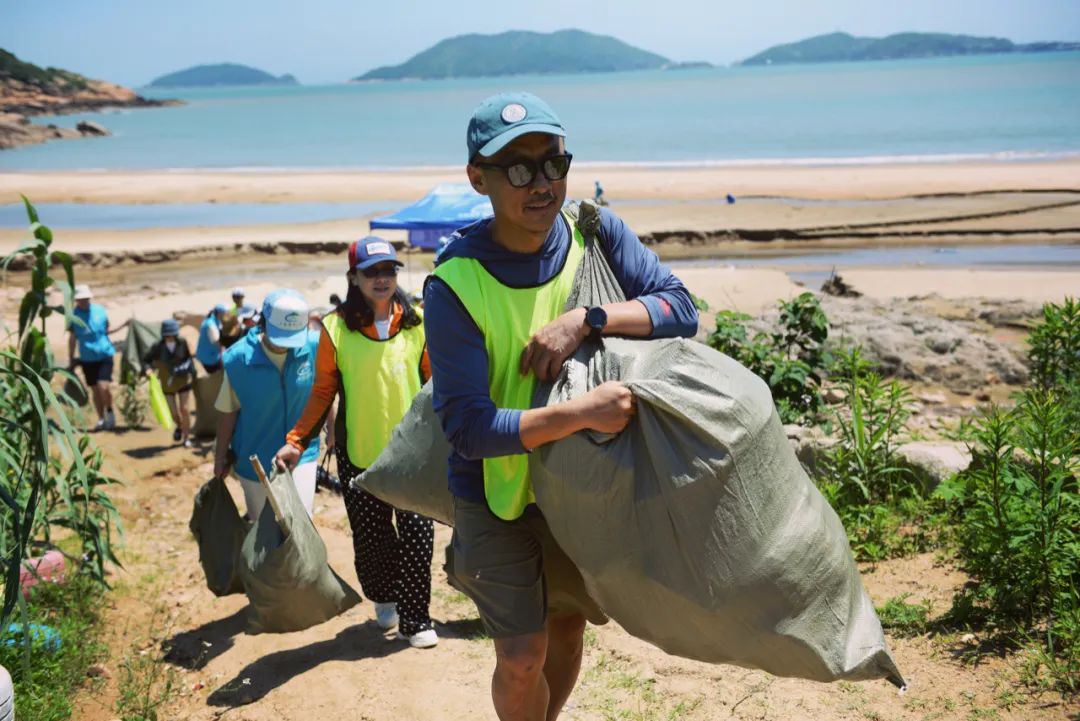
<point x="133" y="41"/>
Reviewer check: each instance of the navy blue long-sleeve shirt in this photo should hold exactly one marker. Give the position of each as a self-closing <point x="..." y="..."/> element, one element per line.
<point x="477" y="429"/>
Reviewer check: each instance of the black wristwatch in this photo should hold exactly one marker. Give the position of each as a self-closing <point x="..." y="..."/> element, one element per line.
<point x="596" y="319"/>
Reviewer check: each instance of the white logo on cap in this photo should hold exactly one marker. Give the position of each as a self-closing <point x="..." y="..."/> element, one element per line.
<point x="514" y="113"/>
<point x="378" y="248"/>
<point x="289" y="314"/>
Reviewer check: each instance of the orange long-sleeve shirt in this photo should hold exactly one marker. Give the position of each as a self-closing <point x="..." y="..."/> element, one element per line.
<point x="328" y="382"/>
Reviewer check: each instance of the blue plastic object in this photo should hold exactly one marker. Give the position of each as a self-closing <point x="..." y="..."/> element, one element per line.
<point x="39" y="634"/>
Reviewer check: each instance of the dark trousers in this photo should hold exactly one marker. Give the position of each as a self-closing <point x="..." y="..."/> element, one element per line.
<point x="393" y="564"/>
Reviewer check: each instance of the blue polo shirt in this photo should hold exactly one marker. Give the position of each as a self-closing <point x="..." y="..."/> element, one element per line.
<point x="459" y="364"/>
<point x="93" y="334"/>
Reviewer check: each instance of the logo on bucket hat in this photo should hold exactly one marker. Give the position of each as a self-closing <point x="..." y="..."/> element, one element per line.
<point x="286" y="315"/>
<point x="501" y="118"/>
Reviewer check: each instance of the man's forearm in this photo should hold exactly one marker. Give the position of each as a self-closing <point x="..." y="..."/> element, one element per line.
<point x="225" y="426"/>
<point x="630" y="318"/>
<point x="540" y="426"/>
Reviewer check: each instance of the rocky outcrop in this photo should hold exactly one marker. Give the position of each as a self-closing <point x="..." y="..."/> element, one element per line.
<point x="27" y="90"/>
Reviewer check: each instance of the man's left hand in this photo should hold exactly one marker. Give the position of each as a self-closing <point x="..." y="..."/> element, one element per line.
<point x="553" y="344"/>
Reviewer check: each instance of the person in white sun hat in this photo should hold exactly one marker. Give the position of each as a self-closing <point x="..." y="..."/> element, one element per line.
<point x="91" y="336"/>
<point x="267" y="381"/>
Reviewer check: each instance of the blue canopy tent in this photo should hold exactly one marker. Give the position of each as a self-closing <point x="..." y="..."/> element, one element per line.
<point x="438" y="214"/>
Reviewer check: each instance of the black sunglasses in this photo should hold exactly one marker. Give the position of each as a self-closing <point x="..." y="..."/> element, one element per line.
<point x="385" y="271"/>
<point x="522" y="173"/>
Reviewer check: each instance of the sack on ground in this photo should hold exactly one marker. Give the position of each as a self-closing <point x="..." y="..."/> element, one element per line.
<point x="219" y="530"/>
<point x="696" y="528"/>
<point x="284" y="568"/>
<point x="206" y="416"/>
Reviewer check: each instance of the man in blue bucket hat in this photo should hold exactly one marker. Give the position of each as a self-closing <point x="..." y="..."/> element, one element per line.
<point x="495" y="321"/>
<point x="269" y="373"/>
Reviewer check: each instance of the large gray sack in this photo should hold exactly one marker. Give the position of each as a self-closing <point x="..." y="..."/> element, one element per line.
<point x="696" y="528"/>
<point x="284" y="568"/>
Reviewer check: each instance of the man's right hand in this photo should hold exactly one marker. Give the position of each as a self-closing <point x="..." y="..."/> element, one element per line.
<point x="608" y="408"/>
<point x="287" y="457"/>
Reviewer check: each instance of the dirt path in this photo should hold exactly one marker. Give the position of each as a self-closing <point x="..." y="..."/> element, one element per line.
<point x="348" y="669"/>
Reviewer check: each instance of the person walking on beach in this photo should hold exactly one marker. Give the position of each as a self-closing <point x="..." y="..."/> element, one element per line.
<point x="208" y="351"/>
<point x="373" y="353"/>
<point x="496" y="325"/>
<point x="268" y="379"/>
<point x="171" y="359"/>
<point x="232" y="324"/>
<point x="96" y="351"/>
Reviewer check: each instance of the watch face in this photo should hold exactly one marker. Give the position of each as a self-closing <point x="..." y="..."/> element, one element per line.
<point x="596" y="318"/>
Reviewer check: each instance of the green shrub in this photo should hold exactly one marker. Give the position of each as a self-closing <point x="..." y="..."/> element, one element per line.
<point x="1017" y="512"/>
<point x="879" y="500"/>
<point x="50" y="476"/>
<point x="791" y="359"/>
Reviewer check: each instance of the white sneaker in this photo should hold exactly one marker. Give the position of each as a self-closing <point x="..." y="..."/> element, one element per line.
<point x="100" y="425"/>
<point x="386" y="615"/>
<point x="110" y="421"/>
<point x="424" y="639"/>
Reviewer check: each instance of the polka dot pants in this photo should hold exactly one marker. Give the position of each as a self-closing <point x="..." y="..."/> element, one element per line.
<point x="393" y="565"/>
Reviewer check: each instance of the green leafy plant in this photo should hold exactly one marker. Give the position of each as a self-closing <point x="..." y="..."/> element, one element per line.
<point x="50" y="476"/>
<point x="132" y="402"/>
<point x="878" y="499"/>
<point x="791" y="359"/>
<point x="903" y="618"/>
<point x="1017" y="511"/>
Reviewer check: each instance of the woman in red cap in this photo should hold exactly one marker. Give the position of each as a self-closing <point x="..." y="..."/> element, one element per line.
<point x="374" y="353"/>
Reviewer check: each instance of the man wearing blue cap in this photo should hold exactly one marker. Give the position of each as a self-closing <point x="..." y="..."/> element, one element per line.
<point x="267" y="381"/>
<point x="208" y="351"/>
<point x="495" y="326"/>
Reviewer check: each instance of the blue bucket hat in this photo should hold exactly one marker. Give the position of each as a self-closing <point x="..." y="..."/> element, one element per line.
<point x="169" y="326"/>
<point x="286" y="314"/>
<point x="506" y="116"/>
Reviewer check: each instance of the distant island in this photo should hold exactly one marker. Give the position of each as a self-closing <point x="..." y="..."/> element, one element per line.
<point x="27" y="90"/>
<point x="221" y="74"/>
<point x="520" y="53"/>
<point x="842" y="47"/>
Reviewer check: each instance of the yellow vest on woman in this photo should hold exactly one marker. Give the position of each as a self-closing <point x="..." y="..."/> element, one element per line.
<point x="379" y="379"/>
<point x="508" y="318"/>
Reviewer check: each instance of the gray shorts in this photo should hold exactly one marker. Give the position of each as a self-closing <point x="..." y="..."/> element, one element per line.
<point x="514" y="571"/>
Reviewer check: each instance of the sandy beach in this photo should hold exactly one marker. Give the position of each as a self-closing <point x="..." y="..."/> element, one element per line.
<point x="779" y="211"/>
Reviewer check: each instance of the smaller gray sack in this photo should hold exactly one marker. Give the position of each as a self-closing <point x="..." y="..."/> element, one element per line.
<point x="219" y="531"/>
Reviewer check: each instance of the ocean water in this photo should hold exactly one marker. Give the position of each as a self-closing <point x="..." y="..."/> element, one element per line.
<point x="999" y="106"/>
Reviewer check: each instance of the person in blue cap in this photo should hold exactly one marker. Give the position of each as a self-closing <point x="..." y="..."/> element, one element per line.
<point x="268" y="377"/>
<point x="171" y="359"/>
<point x="495" y="323"/>
<point x="208" y="351"/>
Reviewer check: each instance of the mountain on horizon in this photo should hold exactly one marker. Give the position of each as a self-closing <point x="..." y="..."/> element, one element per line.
<point x="220" y="74"/>
<point x="844" y="47"/>
<point x="519" y="52"/>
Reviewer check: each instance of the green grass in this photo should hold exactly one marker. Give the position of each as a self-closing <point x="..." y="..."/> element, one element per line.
<point x="73" y="610"/>
<point x="903" y="618"/>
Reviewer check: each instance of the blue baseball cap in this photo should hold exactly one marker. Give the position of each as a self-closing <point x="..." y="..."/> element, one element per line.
<point x="286" y="314"/>
<point x="370" y="251"/>
<point x="220" y="308"/>
<point x="506" y="116"/>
